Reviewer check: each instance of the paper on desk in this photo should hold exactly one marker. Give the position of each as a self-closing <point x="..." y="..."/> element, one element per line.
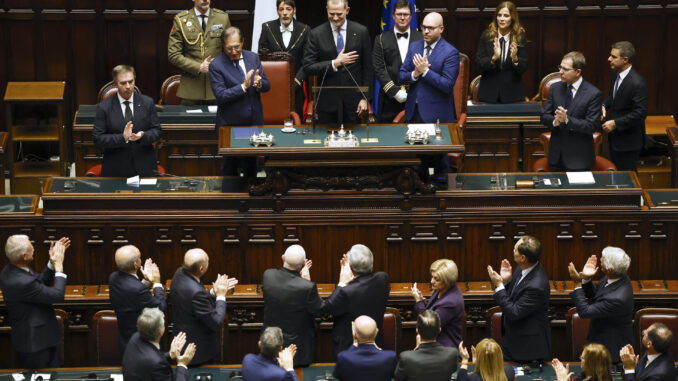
<point x="580" y="178"/>
<point x="428" y="127"/>
<point x="45" y="376"/>
<point x="133" y="181"/>
<point x="212" y="108"/>
<point x="117" y="377"/>
<point x="194" y="111"/>
<point x="151" y="181"/>
<point x="18" y="377"/>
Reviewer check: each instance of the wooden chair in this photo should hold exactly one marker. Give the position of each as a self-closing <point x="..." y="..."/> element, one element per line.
<point x="493" y="318"/>
<point x="545" y="86"/>
<point x="62" y="321"/>
<point x="577" y="331"/>
<point x="168" y="91"/>
<point x="647" y="316"/>
<point x="109" y="90"/>
<point x="105" y="338"/>
<point x="473" y="89"/>
<point x="392" y="328"/>
<point x="278" y="102"/>
<point x="601" y="163"/>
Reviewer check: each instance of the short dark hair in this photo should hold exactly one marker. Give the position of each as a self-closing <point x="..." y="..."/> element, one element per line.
<point x="428" y="324"/>
<point x="660" y="337"/>
<point x="626" y="49"/>
<point x="123" y="69"/>
<point x="403" y="4"/>
<point x="271" y="342"/>
<point x="578" y="60"/>
<point x="287" y="2"/>
<point x="530" y="247"/>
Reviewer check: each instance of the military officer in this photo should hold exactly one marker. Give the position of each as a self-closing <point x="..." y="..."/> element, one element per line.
<point x="195" y="40"/>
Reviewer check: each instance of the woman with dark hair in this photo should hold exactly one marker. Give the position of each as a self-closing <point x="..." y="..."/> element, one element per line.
<point x="489" y="363"/>
<point x="595" y="364"/>
<point x="502" y="57"/>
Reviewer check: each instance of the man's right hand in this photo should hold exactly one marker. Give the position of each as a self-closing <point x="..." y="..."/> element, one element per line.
<point x="506" y="271"/>
<point x="603" y="114"/>
<point x="628" y="357"/>
<point x="286" y="357"/>
<point x="57" y="252"/>
<point x="345" y="58"/>
<point x="151" y="271"/>
<point x="187" y="356"/>
<point x="205" y="65"/>
<point x="248" y="79"/>
<point x="223" y="284"/>
<point x="127" y="132"/>
<point x="590" y="268"/>
<point x="345" y="274"/>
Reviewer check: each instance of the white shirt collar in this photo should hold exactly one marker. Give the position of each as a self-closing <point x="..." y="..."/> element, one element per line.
<point x="610" y="281"/>
<point x="526" y="271"/>
<point x="507" y="36"/>
<point x="396" y="31"/>
<point x="198" y="14"/>
<point x="651" y="358"/>
<point x="433" y="45"/>
<point x="289" y="28"/>
<point x="340" y="28"/>
<point x="624" y="73"/>
<point x="577" y="83"/>
<point x="121" y="99"/>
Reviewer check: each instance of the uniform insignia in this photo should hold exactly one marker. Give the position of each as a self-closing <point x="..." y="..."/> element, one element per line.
<point x="189" y="24"/>
<point x="184" y="20"/>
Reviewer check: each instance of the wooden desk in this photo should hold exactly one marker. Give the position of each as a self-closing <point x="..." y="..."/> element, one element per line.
<point x="657" y="124"/>
<point x="672" y="133"/>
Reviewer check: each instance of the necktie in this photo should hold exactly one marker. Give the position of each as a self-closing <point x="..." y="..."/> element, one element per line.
<point x="340" y="41"/>
<point x="242" y="73"/>
<point x="568" y="97"/>
<point x="515" y="285"/>
<point x="402" y="35"/>
<point x="501" y="58"/>
<point x="128" y="112"/>
<point x="616" y="86"/>
<point x="428" y="51"/>
<point x="203" y="21"/>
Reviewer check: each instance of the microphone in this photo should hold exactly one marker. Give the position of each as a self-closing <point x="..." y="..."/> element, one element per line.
<point x="317" y="98"/>
<point x="358" y="87"/>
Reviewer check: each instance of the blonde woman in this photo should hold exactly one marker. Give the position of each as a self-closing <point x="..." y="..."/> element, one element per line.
<point x="489" y="363"/>
<point x="595" y="364"/>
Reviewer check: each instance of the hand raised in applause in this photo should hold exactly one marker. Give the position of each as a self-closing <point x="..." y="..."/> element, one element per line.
<point x="420" y="65"/>
<point x="151" y="272"/>
<point x="248" y="79"/>
<point x="186" y="357"/>
<point x="57" y="252"/>
<point x="418" y="297"/>
<point x="590" y="268"/>
<point x="305" y="271"/>
<point x="345" y="58"/>
<point x="223" y="284"/>
<point x="496" y="50"/>
<point x="345" y="274"/>
<point x="495" y="277"/>
<point x="513" y="52"/>
<point x="205" y="65"/>
<point x="177" y="344"/>
<point x="257" y="80"/>
<point x="561" y="115"/>
<point x="129" y="135"/>
<point x="286" y="357"/>
<point x="562" y="372"/>
<point x="628" y="357"/>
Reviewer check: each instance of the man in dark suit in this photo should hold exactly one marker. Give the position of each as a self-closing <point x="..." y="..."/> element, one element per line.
<point x="273" y="362"/>
<point x="523" y="296"/>
<point x="364" y="360"/>
<point x="359" y="292"/>
<point x="237" y="79"/>
<point x="195" y="310"/>
<point x="572" y="114"/>
<point x="286" y="34"/>
<point x="29" y="298"/>
<point x="429" y="360"/>
<point x="126" y="126"/>
<point x="336" y="51"/>
<point x="390" y="50"/>
<point x="143" y="359"/>
<point x="656" y="364"/>
<point x="129" y="295"/>
<point x="625" y="108"/>
<point x="609" y="304"/>
<point x="291" y="301"/>
<point x="431" y="69"/>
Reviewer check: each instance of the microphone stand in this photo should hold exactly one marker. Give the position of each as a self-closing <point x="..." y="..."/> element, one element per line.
<point x="315" y="109"/>
<point x="366" y="139"/>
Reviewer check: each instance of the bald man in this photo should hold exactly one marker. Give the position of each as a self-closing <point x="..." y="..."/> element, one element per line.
<point x="197" y="312"/>
<point x="291" y="301"/>
<point x="130" y="295"/>
<point x="364" y="360"/>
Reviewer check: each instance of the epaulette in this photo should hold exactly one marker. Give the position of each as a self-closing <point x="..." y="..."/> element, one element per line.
<point x="215" y="10"/>
<point x="182" y="13"/>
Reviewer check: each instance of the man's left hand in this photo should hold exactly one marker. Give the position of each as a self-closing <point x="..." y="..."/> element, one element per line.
<point x="257" y="79"/>
<point x="362" y="107"/>
<point x="609" y="126"/>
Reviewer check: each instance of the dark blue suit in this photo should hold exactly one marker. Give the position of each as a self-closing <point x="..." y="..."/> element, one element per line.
<point x="610" y="309"/>
<point x="134" y="157"/>
<point x="29" y="300"/>
<point x="661" y="369"/>
<point x="144" y="362"/>
<point x="526" y="331"/>
<point x="432" y="94"/>
<point x="128" y="298"/>
<point x="259" y="368"/>
<point x="571" y="144"/>
<point x="235" y="106"/>
<point x="365" y="362"/>
<point x="430" y="362"/>
<point x="195" y="312"/>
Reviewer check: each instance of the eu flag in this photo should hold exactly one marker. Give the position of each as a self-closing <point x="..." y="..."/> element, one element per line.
<point x="387" y="24"/>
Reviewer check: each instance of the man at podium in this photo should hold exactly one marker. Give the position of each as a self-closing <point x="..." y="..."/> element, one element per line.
<point x="339" y="52"/>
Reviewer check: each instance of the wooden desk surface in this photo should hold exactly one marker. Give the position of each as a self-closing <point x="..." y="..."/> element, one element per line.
<point x="35" y="91"/>
<point x="657" y="124"/>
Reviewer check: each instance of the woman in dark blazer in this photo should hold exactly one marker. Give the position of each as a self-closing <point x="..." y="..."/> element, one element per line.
<point x="489" y="363"/>
<point x="446" y="300"/>
<point x="502" y="57"/>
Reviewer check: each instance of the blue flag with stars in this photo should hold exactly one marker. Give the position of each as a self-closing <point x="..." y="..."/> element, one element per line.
<point x="387" y="24"/>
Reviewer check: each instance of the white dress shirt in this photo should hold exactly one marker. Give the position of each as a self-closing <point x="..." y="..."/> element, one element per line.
<point x="122" y="104"/>
<point x="335" y="31"/>
<point x="403" y="43"/>
<point x="287" y="33"/>
<point x="507" y="45"/>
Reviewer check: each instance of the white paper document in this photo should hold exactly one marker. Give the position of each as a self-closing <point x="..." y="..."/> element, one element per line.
<point x="212" y="108"/>
<point x="194" y="111"/>
<point x="117" y="377"/>
<point x="580" y="178"/>
<point x="133" y="181"/>
<point x="151" y="181"/>
<point x="430" y="128"/>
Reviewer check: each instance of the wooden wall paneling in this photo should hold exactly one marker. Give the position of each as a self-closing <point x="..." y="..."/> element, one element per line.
<point x="530" y="18"/>
<point x="83" y="80"/>
<point x="669" y="102"/>
<point x="588" y="21"/>
<point x="662" y="243"/>
<point x="649" y="41"/>
<point x="22" y="35"/>
<point x="55" y="46"/>
<point x="119" y="45"/>
<point x="554" y="44"/>
<point x="491" y="147"/>
<point x="147" y="36"/>
<point x="532" y="149"/>
<point x="463" y="28"/>
<point x="5" y="64"/>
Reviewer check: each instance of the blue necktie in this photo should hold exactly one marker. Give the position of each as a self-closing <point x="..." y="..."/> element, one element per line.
<point x="616" y="87"/>
<point x="242" y="73"/>
<point x="568" y="98"/>
<point x="428" y="51"/>
<point x="340" y="41"/>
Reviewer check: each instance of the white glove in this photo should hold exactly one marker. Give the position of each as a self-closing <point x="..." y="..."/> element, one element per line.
<point x="401" y="96"/>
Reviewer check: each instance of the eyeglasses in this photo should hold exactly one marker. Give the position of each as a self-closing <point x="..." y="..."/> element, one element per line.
<point x="563" y="68"/>
<point x="402" y="15"/>
<point x="426" y="27"/>
<point x="233" y="48"/>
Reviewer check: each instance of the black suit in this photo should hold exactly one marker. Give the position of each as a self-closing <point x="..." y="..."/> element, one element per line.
<point x="291" y="302"/>
<point x="387" y="62"/>
<point x="129" y="296"/>
<point x="661" y="369"/>
<point x="272" y="40"/>
<point x="195" y="312"/>
<point x="463" y="375"/>
<point x="29" y="299"/>
<point x="366" y="294"/>
<point x="318" y="55"/>
<point x="571" y="146"/>
<point x="133" y="158"/>
<point x="144" y="362"/>
<point x="526" y="330"/>
<point x="429" y="362"/>
<point x="610" y="309"/>
<point x="501" y="83"/>
<point x="628" y="109"/>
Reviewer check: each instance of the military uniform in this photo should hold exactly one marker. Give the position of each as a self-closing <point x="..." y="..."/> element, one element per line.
<point x="188" y="46"/>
